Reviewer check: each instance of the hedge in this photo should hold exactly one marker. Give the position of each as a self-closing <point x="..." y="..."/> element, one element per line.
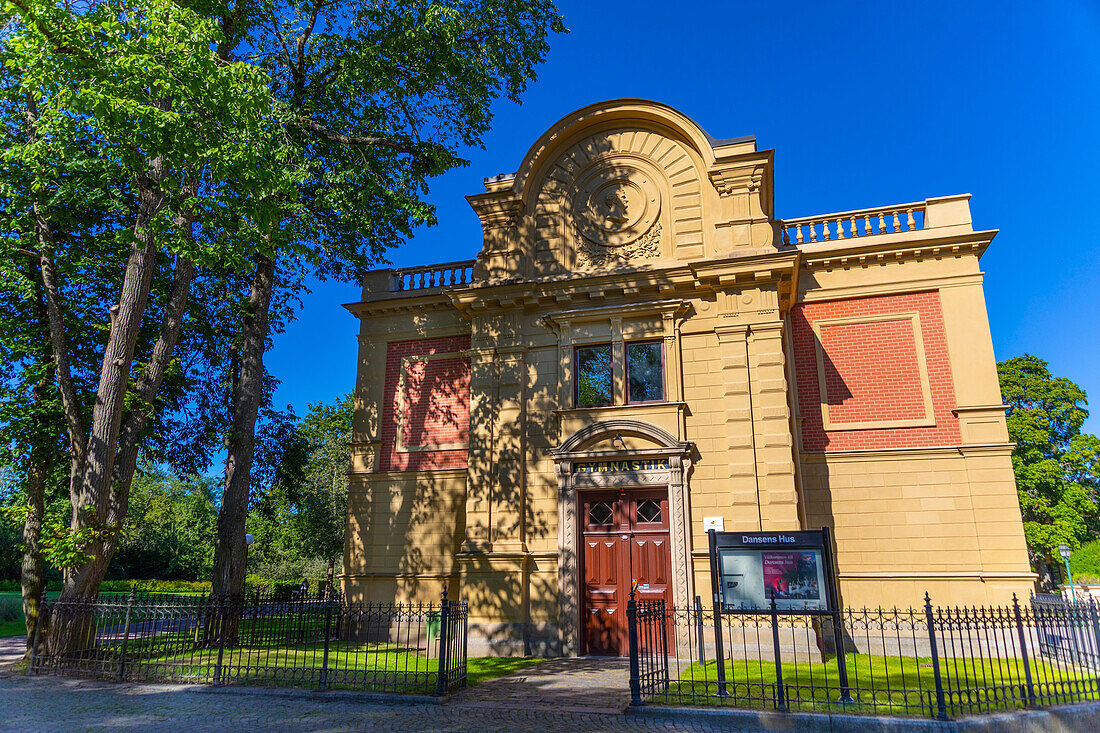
<point x="155" y="585"/>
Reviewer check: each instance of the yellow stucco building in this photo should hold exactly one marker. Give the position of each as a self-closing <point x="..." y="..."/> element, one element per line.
<point x="642" y="349"/>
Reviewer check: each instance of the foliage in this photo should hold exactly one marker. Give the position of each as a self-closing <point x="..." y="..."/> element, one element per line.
<point x="64" y="547"/>
<point x="170" y="528"/>
<point x="157" y="585"/>
<point x="134" y="153"/>
<point x="1057" y="467"/>
<point x="378" y="98"/>
<point x="321" y="496"/>
<point x="302" y="518"/>
<point x="1084" y="563"/>
<point x="11" y="539"/>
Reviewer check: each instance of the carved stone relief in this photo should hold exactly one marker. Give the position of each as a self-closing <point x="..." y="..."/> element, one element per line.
<point x="594" y="255"/>
<point x="617" y="197"/>
<point x="616" y="210"/>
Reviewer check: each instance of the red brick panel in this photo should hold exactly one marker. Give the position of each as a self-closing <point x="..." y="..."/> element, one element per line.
<point x="871" y="373"/>
<point x="433" y="406"/>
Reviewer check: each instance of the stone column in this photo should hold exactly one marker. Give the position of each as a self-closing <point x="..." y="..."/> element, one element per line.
<point x="618" y="362"/>
<point x="681" y="544"/>
<point x="568" y="560"/>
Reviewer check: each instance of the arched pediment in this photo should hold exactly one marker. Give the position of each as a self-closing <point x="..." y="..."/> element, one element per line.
<point x="627" y="183"/>
<point x="604" y="430"/>
<point x="614" y="114"/>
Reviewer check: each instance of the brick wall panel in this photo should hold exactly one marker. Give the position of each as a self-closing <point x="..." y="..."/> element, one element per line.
<point x="871" y="373"/>
<point x="437" y="404"/>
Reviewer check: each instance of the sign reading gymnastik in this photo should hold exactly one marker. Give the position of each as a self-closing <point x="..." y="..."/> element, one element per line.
<point x="794" y="568"/>
<point x="646" y="464"/>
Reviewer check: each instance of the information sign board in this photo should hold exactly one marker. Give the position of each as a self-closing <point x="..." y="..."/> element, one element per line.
<point x="752" y="568"/>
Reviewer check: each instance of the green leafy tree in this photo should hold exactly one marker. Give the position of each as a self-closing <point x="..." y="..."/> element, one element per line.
<point x="321" y="496"/>
<point x="299" y="520"/>
<point x="378" y="98"/>
<point x="169" y="532"/>
<point x="127" y="104"/>
<point x="1057" y="466"/>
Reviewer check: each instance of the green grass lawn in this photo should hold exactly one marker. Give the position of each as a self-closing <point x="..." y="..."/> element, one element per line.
<point x="12" y="622"/>
<point x="384" y="667"/>
<point x="380" y="667"/>
<point x="879" y="684"/>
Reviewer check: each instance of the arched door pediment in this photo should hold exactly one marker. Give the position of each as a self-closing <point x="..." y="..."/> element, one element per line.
<point x="602" y="436"/>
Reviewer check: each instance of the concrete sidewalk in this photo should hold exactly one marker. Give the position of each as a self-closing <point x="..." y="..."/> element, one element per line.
<point x="558" y="695"/>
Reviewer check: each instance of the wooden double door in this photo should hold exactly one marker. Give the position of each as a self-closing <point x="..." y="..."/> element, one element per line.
<point x="626" y="542"/>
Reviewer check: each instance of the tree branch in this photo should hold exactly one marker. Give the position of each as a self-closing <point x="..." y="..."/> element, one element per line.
<point x="371" y="141"/>
<point x="34" y="20"/>
<point x="303" y="39"/>
<point x="70" y="404"/>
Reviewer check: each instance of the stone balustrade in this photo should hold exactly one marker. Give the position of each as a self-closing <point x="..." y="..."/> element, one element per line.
<point x="852" y="224"/>
<point x="431" y="276"/>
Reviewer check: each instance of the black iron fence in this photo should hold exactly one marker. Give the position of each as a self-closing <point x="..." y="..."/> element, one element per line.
<point x="257" y="638"/>
<point x="930" y="661"/>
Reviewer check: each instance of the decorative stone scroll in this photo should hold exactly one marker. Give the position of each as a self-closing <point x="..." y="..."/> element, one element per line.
<point x="594" y="255"/>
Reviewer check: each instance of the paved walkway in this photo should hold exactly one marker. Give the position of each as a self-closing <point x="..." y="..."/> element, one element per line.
<point x="11" y="649"/>
<point x="559" y="695"/>
<point x="585" y="685"/>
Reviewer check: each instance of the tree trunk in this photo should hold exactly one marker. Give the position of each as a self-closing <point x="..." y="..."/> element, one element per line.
<point x="229" y="549"/>
<point x="149" y="385"/>
<point x="33" y="571"/>
<point x="91" y="492"/>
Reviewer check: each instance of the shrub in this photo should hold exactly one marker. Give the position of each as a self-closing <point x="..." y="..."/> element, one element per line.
<point x="11" y="609"/>
<point x="1085" y="563"/>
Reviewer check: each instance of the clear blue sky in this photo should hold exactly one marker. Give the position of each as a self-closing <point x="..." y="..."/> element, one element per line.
<point x="865" y="104"/>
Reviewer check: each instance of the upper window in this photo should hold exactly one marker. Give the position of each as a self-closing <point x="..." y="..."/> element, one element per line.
<point x="645" y="374"/>
<point x="594" y="375"/>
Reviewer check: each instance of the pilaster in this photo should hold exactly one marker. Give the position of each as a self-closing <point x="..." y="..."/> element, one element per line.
<point x="369" y="395"/>
<point x="509" y="474"/>
<point x="483" y="418"/>
<point x="771" y="421"/>
<point x="744" y="496"/>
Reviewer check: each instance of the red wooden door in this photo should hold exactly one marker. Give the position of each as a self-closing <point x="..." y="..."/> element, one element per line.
<point x="626" y="540"/>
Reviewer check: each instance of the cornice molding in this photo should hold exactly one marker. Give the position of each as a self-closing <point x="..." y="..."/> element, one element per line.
<point x="598" y="313"/>
<point x="890" y="287"/>
<point x="497" y="209"/>
<point x="863" y="251"/>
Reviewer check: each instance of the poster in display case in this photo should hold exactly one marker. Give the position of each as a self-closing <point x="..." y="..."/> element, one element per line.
<point x="794" y="568"/>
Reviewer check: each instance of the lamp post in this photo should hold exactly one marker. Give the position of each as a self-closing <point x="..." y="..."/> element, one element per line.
<point x="1065" y="552"/>
<point x="248" y="540"/>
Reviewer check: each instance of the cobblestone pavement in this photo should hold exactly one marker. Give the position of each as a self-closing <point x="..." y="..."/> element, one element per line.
<point x="587" y="697"/>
